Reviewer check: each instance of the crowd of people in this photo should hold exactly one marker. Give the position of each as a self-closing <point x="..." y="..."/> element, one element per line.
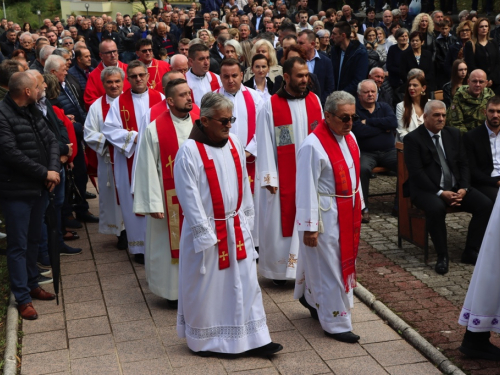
<point x="229" y="133"/>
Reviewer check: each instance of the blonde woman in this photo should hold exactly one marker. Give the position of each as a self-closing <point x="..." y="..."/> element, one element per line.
<point x="234" y="34"/>
<point x="381" y="45"/>
<point x="423" y="23"/>
<point x="246" y="47"/>
<point x="264" y="47"/>
<point x="204" y="35"/>
<point x="232" y="50"/>
<point x="317" y="26"/>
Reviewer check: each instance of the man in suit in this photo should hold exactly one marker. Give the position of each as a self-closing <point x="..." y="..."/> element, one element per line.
<point x="318" y="63"/>
<point x="258" y="20"/>
<point x="482" y="145"/>
<point x="438" y="178"/>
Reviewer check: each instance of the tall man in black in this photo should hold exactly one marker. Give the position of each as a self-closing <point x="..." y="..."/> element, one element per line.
<point x="438" y="178"/>
<point x="482" y="145"/>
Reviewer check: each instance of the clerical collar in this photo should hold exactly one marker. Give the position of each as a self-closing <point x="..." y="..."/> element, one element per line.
<point x="109" y="99"/>
<point x="179" y="118"/>
<point x="283" y="93"/>
<point x="198" y="134"/>
<point x="138" y="93"/>
<point x="196" y="75"/>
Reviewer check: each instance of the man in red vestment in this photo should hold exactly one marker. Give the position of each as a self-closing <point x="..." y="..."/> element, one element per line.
<point x="109" y="57"/>
<point x="156" y="68"/>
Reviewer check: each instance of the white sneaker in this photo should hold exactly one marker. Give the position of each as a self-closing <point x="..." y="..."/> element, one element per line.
<point x="2" y="235"/>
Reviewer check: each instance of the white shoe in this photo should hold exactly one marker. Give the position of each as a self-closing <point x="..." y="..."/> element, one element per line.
<point x="2" y="236"/>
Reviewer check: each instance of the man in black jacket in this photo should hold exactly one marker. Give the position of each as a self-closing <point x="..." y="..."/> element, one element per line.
<point x="438" y="178"/>
<point x="483" y="151"/>
<point x="29" y="165"/>
<point x="128" y="41"/>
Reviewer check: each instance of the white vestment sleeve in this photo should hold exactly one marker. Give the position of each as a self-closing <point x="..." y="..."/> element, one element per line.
<point x="186" y="176"/>
<point x="309" y="167"/>
<point x="266" y="162"/>
<point x="148" y="196"/>
<point x="120" y="138"/>
<point x="92" y="130"/>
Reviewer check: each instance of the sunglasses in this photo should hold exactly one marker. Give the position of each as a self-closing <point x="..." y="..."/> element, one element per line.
<point x="140" y="75"/>
<point x="149" y="50"/>
<point x="224" y="121"/>
<point x="346" y="118"/>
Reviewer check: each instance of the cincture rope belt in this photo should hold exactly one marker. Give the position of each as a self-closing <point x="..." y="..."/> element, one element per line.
<point x="321" y="228"/>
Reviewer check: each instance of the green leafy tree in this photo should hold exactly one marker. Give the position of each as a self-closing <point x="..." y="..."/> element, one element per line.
<point x="40" y="5"/>
<point x="23" y="12"/>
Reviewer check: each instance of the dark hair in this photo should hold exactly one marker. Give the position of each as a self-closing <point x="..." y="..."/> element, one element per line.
<point x="290" y="63"/>
<point x="197" y="48"/>
<point x="445" y="23"/>
<point x="408" y="102"/>
<point x="288" y="27"/>
<point x="143" y="42"/>
<point x="354" y="22"/>
<point x="295" y="48"/>
<point x="393" y="25"/>
<point x="136" y="64"/>
<point x="370" y="9"/>
<point x="230" y="62"/>
<point x="217" y="30"/>
<point x="259" y="56"/>
<point x="495" y="100"/>
<point x="416" y="33"/>
<point x="162" y="52"/>
<point x="7" y="69"/>
<point x="18" y="52"/>
<point x="456" y="82"/>
<point x="78" y="52"/>
<point x="343" y="27"/>
<point x="476" y="27"/>
<point x="169" y="88"/>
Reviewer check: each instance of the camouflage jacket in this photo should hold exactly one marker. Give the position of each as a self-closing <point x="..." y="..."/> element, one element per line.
<point x="467" y="112"/>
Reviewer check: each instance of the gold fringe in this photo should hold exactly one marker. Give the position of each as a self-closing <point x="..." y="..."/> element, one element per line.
<point x="174" y="261"/>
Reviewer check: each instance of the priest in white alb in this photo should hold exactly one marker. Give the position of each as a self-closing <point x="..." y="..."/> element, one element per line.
<point x="110" y="215"/>
<point x="199" y="78"/>
<point x="220" y="306"/>
<point x="248" y="110"/>
<point x="328" y="203"/>
<point x="154" y="193"/>
<point x="120" y="129"/>
<point x="290" y="115"/>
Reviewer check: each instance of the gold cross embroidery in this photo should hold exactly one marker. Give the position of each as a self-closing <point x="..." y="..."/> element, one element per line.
<point x="170" y="164"/>
<point x="291" y="261"/>
<point x="223" y="256"/>
<point x="240" y="245"/>
<point x="267" y="179"/>
<point x="250" y="179"/>
<point x="126" y="116"/>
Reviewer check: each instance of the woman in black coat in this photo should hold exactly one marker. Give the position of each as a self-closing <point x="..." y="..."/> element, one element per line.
<point x="417" y="57"/>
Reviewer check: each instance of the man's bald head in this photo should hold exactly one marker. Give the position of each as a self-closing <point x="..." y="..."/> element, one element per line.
<point x="170" y="76"/>
<point x="179" y="63"/>
<point x="23" y="87"/>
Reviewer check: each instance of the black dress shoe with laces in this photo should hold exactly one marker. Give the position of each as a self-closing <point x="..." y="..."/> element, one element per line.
<point x="87" y="217"/>
<point x="442" y="265"/>
<point x="486" y="351"/>
<point x="348" y="337"/>
<point x="90" y="195"/>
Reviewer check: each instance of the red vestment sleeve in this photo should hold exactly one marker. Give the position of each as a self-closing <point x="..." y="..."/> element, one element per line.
<point x="70" y="129"/>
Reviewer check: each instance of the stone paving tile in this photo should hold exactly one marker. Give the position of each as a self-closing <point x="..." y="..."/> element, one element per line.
<point x="85" y="309"/>
<point x="88" y="327"/>
<point x="245" y="363"/>
<point x="358" y="366"/>
<point x="74" y="268"/>
<point x="181" y="356"/>
<point x="126" y="313"/>
<point x="44" y="323"/>
<point x="169" y="336"/>
<point x="111" y="269"/>
<point x="111" y="257"/>
<point x="85" y="255"/>
<point x="393" y="353"/>
<point x="164" y="317"/>
<point x="155" y="302"/>
<point x="80" y="280"/>
<point x="374" y="331"/>
<point x="260" y="371"/>
<point x="82" y="294"/>
<point x="424" y="368"/>
<point x="308" y="362"/>
<point x="118" y="282"/>
<point x="134" y="330"/>
<point x="293" y="310"/>
<point x="133" y="351"/>
<point x="309" y="328"/>
<point x="278" y="322"/>
<point x="157" y="366"/>
<point x="329" y="348"/>
<point x="44" y="342"/>
<point x="292" y="341"/>
<point x="104" y="245"/>
<point x="48" y="307"/>
<point x="91" y="346"/>
<point x="212" y="368"/>
<point x="45" y="363"/>
<point x="123" y="296"/>
<point x="95" y="365"/>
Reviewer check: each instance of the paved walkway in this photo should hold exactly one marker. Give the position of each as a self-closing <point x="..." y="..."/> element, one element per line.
<point x="109" y="323"/>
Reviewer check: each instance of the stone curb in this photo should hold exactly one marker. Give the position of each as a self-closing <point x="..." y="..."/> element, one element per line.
<point x="10" y="355"/>
<point x="408" y="333"/>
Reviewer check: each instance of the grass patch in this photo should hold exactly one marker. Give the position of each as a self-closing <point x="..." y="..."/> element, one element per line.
<point x="4" y="294"/>
<point x="21" y="12"/>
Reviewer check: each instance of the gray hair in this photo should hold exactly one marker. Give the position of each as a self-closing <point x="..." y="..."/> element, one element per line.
<point x="80" y="44"/>
<point x="433" y="104"/>
<point x="372" y="71"/>
<point x="112" y="70"/>
<point x="26" y="34"/>
<point x="66" y="34"/>
<point x="46" y="51"/>
<point x="463" y="13"/>
<point x="236" y="45"/>
<point x="61" y="52"/>
<point x="213" y="102"/>
<point x="196" y="41"/>
<point x="53" y="62"/>
<point x="174" y="58"/>
<point x="66" y="38"/>
<point x="360" y="85"/>
<point x="415" y="72"/>
<point x="337" y="98"/>
<point x="323" y="32"/>
<point x="400" y="32"/>
<point x="497" y="18"/>
<point x="396" y="12"/>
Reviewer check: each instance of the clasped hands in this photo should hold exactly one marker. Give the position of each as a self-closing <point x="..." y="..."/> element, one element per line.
<point x="453" y="199"/>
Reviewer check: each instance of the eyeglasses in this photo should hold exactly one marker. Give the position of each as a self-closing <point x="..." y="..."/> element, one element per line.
<point x="67" y="43"/>
<point x="346" y="118"/>
<point x="224" y="121"/>
<point x="149" y="50"/>
<point x="140" y="75"/>
<point x="465" y="31"/>
<point x="110" y="52"/>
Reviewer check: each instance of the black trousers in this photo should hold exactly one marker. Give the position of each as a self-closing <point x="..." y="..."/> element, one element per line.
<point x="434" y="207"/>
<point x="490" y="191"/>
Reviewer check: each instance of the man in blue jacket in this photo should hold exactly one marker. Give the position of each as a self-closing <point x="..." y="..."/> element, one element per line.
<point x="208" y="6"/>
<point x="349" y="59"/>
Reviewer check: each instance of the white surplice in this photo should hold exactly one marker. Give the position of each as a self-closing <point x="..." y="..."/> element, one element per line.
<point x="481" y="309"/>
<point x="218" y="310"/>
<point x="240" y="129"/>
<point x="200" y="85"/>
<point x="110" y="214"/>
<point x="274" y="249"/>
<point x="123" y="142"/>
<point x="319" y="271"/>
<point x="149" y="197"/>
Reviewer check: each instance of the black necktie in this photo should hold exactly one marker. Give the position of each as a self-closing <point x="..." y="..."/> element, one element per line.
<point x="447" y="178"/>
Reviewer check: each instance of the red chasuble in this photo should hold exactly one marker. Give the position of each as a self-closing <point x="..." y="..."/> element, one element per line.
<point x="95" y="89"/>
<point x="156" y="71"/>
<point x="218" y="206"/>
<point x="127" y="115"/>
<point x="169" y="146"/>
<point x="349" y="217"/>
<point x="285" y="146"/>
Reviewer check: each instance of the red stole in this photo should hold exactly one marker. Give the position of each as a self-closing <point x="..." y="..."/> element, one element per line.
<point x="95" y="89"/>
<point x="349" y="217"/>
<point x="218" y="206"/>
<point x="285" y="146"/>
<point x="214" y="84"/>
<point x="169" y="146"/>
<point x="161" y="107"/>
<point x="156" y="71"/>
<point x="127" y="115"/>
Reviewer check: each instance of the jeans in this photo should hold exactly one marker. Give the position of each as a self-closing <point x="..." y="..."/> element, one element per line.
<point x="370" y="160"/>
<point x="22" y="221"/>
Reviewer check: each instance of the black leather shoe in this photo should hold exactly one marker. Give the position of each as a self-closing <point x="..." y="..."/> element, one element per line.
<point x="480" y="351"/>
<point x="205" y="353"/>
<point x="312" y="310"/>
<point x="266" y="350"/>
<point x="172" y="303"/>
<point x="90" y="195"/>
<point x="469" y="257"/>
<point x="279" y="282"/>
<point x="139" y="258"/>
<point x="441" y="265"/>
<point x="87" y="217"/>
<point x="122" y="243"/>
<point x="348" y="337"/>
<point x="71" y="222"/>
<point x="365" y="217"/>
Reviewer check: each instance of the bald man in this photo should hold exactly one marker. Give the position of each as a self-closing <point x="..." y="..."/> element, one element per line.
<point x="164" y="39"/>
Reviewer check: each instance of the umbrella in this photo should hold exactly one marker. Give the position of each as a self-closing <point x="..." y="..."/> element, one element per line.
<point x="53" y="242"/>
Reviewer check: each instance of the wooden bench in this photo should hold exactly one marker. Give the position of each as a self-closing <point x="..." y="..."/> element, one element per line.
<point x="412" y="225"/>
